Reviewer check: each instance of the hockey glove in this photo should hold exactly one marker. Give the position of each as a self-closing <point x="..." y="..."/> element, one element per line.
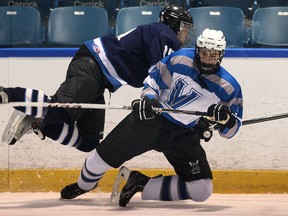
<point x="222" y="115"/>
<point x="203" y="129"/>
<point x="143" y="108"/>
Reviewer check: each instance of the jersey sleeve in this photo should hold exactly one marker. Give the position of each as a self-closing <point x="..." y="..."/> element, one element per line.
<point x="155" y="82"/>
<point x="236" y="106"/>
<point x="230" y="93"/>
<point x="161" y="46"/>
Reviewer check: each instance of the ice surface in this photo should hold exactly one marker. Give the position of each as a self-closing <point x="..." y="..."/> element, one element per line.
<point x="98" y="204"/>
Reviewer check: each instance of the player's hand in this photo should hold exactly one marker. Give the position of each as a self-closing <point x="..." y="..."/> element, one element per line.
<point x="203" y="129"/>
<point x="222" y="115"/>
<point x="143" y="108"/>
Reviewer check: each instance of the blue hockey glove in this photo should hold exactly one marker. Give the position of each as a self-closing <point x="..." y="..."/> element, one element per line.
<point x="222" y="115"/>
<point x="143" y="108"/>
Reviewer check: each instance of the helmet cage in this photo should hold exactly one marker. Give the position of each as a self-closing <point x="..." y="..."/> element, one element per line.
<point x="214" y="58"/>
<point x="186" y="26"/>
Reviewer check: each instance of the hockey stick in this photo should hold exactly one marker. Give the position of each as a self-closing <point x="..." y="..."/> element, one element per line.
<point x="124" y="107"/>
<point x="264" y="119"/>
<point x="245" y="122"/>
<point x="66" y="105"/>
<point x="94" y="106"/>
<point x="189" y="112"/>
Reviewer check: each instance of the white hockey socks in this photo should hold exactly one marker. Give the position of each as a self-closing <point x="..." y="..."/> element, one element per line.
<point x="170" y="188"/>
<point x="92" y="171"/>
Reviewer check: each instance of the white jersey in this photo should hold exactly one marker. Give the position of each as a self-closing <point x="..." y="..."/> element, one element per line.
<point x="176" y="84"/>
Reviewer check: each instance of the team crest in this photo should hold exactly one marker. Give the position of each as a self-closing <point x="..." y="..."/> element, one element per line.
<point x="182" y="95"/>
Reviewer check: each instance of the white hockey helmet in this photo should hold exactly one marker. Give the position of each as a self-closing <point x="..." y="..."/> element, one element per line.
<point x="212" y="39"/>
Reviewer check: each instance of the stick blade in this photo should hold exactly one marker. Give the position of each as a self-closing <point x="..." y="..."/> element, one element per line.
<point x="119" y="183"/>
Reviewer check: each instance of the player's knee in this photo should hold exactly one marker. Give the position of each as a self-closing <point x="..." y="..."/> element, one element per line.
<point x="87" y="145"/>
<point x="200" y="190"/>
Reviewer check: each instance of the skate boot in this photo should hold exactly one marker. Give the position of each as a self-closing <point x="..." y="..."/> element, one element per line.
<point x="72" y="191"/>
<point x="135" y="183"/>
<point x="20" y="124"/>
<point x="36" y="127"/>
<point x="3" y="96"/>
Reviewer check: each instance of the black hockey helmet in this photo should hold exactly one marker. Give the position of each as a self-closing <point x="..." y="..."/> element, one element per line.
<point x="175" y="17"/>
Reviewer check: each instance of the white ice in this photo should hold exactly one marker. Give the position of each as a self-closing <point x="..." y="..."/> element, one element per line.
<point x="98" y="204"/>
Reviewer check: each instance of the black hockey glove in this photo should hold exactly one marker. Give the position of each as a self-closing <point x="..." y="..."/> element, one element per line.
<point x="222" y="115"/>
<point x="143" y="108"/>
<point x="203" y="129"/>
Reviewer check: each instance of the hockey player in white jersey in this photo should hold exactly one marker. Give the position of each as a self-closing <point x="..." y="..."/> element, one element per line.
<point x="188" y="79"/>
<point x="102" y="63"/>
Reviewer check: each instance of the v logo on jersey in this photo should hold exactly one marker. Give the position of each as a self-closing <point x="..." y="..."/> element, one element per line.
<point x="178" y="99"/>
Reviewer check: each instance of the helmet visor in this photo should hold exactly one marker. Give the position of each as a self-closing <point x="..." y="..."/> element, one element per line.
<point x="186" y="34"/>
<point x="186" y="26"/>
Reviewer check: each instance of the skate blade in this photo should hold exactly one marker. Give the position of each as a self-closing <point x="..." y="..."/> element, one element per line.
<point x="119" y="183"/>
<point x="11" y="127"/>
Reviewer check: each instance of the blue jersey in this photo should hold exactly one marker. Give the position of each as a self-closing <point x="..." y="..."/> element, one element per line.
<point x="176" y="84"/>
<point x="127" y="59"/>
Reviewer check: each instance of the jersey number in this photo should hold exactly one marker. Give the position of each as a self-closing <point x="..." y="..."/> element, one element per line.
<point x="167" y="51"/>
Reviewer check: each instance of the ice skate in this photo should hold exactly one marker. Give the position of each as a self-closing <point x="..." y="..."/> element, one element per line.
<point x="119" y="183"/>
<point x="3" y="96"/>
<point x="72" y="191"/>
<point x="20" y="124"/>
<point x="136" y="182"/>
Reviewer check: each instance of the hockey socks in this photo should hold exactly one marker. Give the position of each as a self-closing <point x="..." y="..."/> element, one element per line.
<point x="92" y="171"/>
<point x="170" y="188"/>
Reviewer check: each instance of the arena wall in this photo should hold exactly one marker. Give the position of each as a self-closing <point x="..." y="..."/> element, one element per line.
<point x="255" y="157"/>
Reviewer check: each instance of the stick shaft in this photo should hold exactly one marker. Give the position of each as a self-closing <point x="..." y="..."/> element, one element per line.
<point x="189" y="112"/>
<point x="124" y="107"/>
<point x="67" y="105"/>
<point x="245" y="122"/>
<point x="265" y="119"/>
<point x="94" y="106"/>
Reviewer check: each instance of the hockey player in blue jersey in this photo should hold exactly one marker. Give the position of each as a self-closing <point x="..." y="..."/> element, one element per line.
<point x="103" y="63"/>
<point x="188" y="79"/>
